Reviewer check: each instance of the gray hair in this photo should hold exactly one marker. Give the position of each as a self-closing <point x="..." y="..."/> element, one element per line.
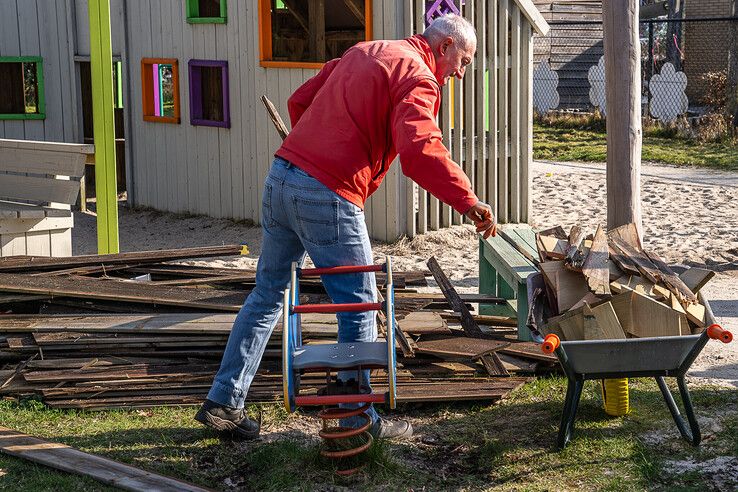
<point x="450" y="25"/>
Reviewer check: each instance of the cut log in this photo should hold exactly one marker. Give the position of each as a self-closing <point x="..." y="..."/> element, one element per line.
<point x="595" y="267"/>
<point x="574" y="253"/>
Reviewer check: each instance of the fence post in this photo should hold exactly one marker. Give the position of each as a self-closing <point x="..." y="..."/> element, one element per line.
<point x="649" y="71"/>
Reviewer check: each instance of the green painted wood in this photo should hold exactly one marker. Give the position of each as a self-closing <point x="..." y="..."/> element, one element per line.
<point x="101" y="66"/>
<point x="40" y="88"/>
<point x="503" y="272"/>
<point x="193" y="13"/>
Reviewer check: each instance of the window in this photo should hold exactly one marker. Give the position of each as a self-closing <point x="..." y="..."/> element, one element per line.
<point x="206" y="11"/>
<point x="306" y="33"/>
<point x="22" y="88"/>
<point x="160" y="89"/>
<point x="209" y="93"/>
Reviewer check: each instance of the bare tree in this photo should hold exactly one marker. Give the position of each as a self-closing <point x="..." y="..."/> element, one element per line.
<point x="674" y="34"/>
<point x="732" y="85"/>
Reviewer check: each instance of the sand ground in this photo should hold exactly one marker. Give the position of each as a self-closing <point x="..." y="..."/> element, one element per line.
<point x="690" y="218"/>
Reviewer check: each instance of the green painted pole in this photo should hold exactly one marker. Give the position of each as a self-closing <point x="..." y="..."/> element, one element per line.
<point x="101" y="66"/>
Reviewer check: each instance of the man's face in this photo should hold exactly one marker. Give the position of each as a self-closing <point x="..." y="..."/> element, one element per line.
<point x="452" y="59"/>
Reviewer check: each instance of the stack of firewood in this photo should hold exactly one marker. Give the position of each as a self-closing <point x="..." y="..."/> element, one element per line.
<point x="607" y="286"/>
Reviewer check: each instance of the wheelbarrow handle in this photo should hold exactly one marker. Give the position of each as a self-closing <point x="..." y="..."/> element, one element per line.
<point x="716" y="332"/>
<point x="550" y="343"/>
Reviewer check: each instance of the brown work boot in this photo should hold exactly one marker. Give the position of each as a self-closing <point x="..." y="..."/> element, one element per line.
<point x="233" y="421"/>
<point x="391" y="429"/>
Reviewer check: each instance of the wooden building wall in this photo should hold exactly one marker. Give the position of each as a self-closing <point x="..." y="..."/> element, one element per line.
<point x="43" y="28"/>
<point x="208" y="170"/>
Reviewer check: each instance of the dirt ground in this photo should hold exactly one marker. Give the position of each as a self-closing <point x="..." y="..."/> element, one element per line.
<point x="690" y="218"/>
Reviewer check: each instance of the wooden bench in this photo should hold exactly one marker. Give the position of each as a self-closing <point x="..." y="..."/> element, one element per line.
<point x="503" y="271"/>
<point x="39" y="181"/>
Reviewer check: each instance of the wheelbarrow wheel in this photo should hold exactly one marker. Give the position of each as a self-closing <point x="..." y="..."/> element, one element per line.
<point x="615" y="396"/>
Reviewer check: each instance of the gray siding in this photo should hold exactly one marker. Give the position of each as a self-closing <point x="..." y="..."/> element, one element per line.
<point x="216" y="171"/>
<point x="43" y="28"/>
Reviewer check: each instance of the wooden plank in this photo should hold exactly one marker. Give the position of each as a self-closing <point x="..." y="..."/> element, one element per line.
<point x="492" y="106"/>
<point x="480" y="107"/>
<point x="123" y="291"/>
<point x="534" y="16"/>
<point x="568" y="286"/>
<point x="526" y="117"/>
<point x="468" y="120"/>
<point x="419" y="323"/>
<point x="464" y="347"/>
<point x="471" y="329"/>
<point x="553" y="248"/>
<point x="595" y="267"/>
<point x="503" y="111"/>
<point x="139" y="257"/>
<point x="60" y="161"/>
<point x="696" y="278"/>
<point x="36" y="189"/>
<point x="642" y="316"/>
<point x="670" y="278"/>
<point x="65" y="458"/>
<point x="644" y="265"/>
<point x="606" y="321"/>
<point x="515" y="116"/>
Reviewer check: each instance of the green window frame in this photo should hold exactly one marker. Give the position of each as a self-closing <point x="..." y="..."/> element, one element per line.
<point x="40" y="113"/>
<point x="194" y="17"/>
<point x="117" y="84"/>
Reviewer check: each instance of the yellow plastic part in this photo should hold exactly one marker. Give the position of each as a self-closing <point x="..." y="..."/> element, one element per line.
<point x="615" y="396"/>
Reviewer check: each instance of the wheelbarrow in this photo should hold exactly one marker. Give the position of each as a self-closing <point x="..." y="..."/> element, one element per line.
<point x="657" y="357"/>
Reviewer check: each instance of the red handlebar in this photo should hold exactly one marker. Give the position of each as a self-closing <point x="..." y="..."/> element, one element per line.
<point x="550" y="343"/>
<point x="716" y="332"/>
<point x="315" y="272"/>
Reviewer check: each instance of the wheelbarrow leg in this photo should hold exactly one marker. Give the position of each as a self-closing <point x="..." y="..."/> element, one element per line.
<point x="573" y="394"/>
<point x="691" y="433"/>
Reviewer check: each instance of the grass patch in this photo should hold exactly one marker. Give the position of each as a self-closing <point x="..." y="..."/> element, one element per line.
<point x="463" y="446"/>
<point x="572" y="142"/>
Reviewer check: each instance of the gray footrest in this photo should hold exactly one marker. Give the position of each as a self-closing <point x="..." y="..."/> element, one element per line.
<point x="340" y="355"/>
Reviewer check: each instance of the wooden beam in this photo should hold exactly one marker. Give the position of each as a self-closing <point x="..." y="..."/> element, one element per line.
<point x="357" y="10"/>
<point x="316" y="19"/>
<point x="292" y="7"/>
<point x="65" y="458"/>
<point x="623" y="101"/>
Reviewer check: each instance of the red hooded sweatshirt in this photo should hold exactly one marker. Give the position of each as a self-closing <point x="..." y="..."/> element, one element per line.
<point x="351" y="120"/>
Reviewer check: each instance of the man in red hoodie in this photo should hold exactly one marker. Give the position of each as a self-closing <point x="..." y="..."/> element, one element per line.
<point x="349" y="123"/>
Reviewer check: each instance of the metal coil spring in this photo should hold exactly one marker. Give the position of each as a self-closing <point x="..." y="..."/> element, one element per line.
<point x="345" y="444"/>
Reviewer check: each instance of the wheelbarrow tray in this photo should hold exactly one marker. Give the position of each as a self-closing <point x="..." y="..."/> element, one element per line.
<point x="600" y="358"/>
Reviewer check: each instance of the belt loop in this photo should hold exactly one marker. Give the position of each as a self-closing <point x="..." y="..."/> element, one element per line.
<point x="287" y="164"/>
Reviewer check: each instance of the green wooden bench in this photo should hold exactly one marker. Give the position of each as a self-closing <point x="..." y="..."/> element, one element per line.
<point x="503" y="271"/>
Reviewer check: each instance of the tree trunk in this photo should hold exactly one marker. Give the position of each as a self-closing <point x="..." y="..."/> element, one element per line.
<point x="732" y="85"/>
<point x="623" y="100"/>
<point x="674" y="34"/>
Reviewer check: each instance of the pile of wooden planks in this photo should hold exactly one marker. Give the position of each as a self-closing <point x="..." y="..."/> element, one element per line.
<point x="136" y="330"/>
<point x="607" y="286"/>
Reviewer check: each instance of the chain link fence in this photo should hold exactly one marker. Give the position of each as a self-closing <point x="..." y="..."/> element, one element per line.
<point x="685" y="67"/>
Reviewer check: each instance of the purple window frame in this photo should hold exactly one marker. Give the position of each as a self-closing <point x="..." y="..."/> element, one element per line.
<point x="195" y="76"/>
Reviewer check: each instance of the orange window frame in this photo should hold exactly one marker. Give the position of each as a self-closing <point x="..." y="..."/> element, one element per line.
<point x="265" y="37"/>
<point x="147" y="90"/>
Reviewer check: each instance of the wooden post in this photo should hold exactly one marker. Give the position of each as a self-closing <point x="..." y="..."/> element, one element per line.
<point x="101" y="68"/>
<point x="316" y="21"/>
<point x="623" y="102"/>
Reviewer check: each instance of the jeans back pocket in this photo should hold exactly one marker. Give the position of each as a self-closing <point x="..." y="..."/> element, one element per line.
<point x="317" y="219"/>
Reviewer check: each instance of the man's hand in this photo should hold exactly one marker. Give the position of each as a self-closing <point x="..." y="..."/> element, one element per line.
<point x="482" y="216"/>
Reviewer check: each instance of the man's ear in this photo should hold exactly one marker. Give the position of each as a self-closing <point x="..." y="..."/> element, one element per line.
<point x="445" y="45"/>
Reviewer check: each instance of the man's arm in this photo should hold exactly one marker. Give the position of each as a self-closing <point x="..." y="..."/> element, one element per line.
<point x="425" y="159"/>
<point x="299" y="101"/>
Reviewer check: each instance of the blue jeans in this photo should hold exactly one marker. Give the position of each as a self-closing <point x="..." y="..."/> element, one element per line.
<point x="299" y="215"/>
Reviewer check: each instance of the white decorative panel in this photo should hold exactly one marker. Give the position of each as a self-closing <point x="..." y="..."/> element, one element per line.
<point x="545" y="88"/>
<point x="596" y="78"/>
<point x="668" y="99"/>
